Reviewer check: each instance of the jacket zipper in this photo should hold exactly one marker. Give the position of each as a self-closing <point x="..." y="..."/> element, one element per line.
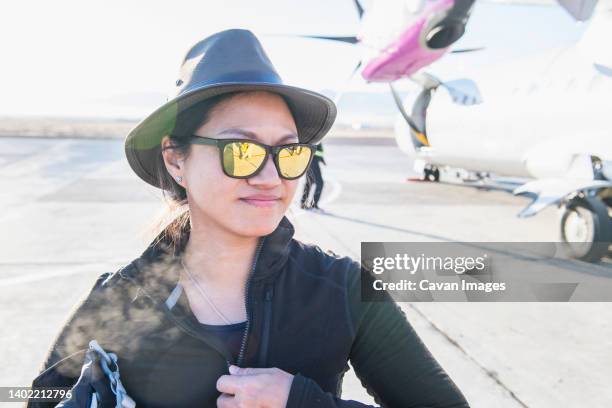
<point x="246" y="302"/>
<point x="266" y="330"/>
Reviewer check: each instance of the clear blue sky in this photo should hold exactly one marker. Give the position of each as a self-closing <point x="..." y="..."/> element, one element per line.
<point x="119" y="58"/>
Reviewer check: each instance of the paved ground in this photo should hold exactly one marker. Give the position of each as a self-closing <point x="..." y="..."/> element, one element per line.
<point x="64" y="201"/>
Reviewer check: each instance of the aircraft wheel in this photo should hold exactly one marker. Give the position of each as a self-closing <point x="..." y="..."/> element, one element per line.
<point x="431" y="174"/>
<point x="586" y="228"/>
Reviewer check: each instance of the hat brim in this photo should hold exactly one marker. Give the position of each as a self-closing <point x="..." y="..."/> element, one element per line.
<point x="314" y="114"/>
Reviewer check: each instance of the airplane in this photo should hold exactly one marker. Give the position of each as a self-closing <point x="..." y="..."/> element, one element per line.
<point x="568" y="164"/>
<point x="545" y="134"/>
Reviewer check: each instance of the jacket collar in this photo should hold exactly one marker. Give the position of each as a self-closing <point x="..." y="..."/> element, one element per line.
<point x="157" y="270"/>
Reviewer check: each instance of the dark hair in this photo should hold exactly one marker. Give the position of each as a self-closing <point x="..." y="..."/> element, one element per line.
<point x="176" y="232"/>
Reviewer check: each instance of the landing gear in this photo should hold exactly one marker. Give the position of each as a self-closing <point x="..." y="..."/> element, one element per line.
<point x="431" y="173"/>
<point x="586" y="228"/>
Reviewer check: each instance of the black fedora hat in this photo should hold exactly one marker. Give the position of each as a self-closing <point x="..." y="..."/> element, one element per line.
<point x="228" y="61"/>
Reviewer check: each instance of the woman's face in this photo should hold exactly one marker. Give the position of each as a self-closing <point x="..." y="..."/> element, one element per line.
<point x="215" y="198"/>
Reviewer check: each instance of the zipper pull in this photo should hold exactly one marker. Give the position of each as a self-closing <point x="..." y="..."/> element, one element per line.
<point x="268" y="294"/>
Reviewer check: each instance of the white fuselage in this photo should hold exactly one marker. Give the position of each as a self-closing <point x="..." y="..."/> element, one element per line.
<point x="537" y="115"/>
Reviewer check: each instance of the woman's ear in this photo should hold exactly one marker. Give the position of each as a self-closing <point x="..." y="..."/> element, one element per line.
<point x="172" y="158"/>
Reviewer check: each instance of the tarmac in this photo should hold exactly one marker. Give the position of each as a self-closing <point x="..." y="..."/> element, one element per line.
<point x="72" y="209"/>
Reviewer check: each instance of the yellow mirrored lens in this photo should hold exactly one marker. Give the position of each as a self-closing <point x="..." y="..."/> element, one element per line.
<point x="293" y="160"/>
<point x="242" y="158"/>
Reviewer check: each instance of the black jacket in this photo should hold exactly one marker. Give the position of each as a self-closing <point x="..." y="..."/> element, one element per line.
<point x="305" y="317"/>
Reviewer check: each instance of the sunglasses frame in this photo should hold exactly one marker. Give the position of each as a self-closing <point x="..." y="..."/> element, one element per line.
<point x="270" y="150"/>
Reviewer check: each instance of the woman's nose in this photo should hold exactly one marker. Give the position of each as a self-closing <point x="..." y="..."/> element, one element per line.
<point x="267" y="175"/>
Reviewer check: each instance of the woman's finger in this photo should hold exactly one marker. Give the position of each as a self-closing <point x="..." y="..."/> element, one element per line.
<point x="230" y="384"/>
<point x="226" y="401"/>
<point x="235" y="370"/>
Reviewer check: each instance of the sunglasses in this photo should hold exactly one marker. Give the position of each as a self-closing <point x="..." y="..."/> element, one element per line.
<point x="244" y="158"/>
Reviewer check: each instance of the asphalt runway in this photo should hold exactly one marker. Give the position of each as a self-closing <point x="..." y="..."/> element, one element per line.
<point x="72" y="210"/>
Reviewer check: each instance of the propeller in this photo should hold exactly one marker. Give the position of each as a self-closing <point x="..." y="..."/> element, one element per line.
<point x="348" y="39"/>
<point x="359" y="8"/>
<point x="460" y="50"/>
<point x="603" y="69"/>
<point x="400" y="107"/>
<point x="462" y="91"/>
<point x="346" y="83"/>
<point x="344" y="39"/>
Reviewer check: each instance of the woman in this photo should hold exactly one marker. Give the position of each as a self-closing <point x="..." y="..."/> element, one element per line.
<point x="224" y="308"/>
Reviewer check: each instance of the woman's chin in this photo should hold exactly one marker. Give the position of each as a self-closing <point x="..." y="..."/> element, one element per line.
<point x="258" y="229"/>
<point x="259" y="223"/>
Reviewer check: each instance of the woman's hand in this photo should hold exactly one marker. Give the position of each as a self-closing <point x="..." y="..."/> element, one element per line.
<point x="254" y="388"/>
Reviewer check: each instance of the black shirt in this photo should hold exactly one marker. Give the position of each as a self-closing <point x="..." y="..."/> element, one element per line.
<point x="230" y="334"/>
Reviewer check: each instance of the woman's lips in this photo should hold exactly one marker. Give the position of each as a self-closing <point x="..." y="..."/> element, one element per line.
<point x="259" y="202"/>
